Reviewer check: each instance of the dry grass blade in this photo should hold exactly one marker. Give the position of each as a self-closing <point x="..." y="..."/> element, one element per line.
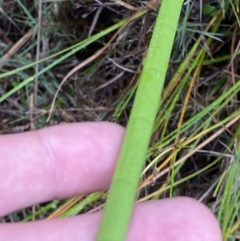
<point x="91" y="58"/>
<point x="14" y="49"/>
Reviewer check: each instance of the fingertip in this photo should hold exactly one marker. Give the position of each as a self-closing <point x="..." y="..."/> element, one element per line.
<point x="202" y="219"/>
<point x="179" y="218"/>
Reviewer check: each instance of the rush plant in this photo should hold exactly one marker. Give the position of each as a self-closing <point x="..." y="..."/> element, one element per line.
<point x="122" y="194"/>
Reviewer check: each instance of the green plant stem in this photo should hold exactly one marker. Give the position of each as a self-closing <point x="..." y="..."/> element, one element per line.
<point x="120" y="202"/>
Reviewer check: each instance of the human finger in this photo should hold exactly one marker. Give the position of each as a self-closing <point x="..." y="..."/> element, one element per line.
<point x="176" y="219"/>
<point x="56" y="162"/>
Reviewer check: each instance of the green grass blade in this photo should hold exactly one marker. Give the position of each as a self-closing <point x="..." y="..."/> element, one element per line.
<point x="122" y="192"/>
<point x="72" y="50"/>
<point x="64" y="54"/>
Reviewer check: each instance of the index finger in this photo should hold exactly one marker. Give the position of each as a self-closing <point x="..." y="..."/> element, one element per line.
<point x="57" y="162"/>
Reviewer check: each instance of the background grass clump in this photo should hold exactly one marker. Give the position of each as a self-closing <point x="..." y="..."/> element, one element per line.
<point x="194" y="149"/>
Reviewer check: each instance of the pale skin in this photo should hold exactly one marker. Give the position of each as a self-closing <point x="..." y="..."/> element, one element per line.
<point x="72" y="159"/>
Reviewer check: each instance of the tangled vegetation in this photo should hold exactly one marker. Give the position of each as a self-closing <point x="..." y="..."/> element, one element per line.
<point x="62" y="61"/>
